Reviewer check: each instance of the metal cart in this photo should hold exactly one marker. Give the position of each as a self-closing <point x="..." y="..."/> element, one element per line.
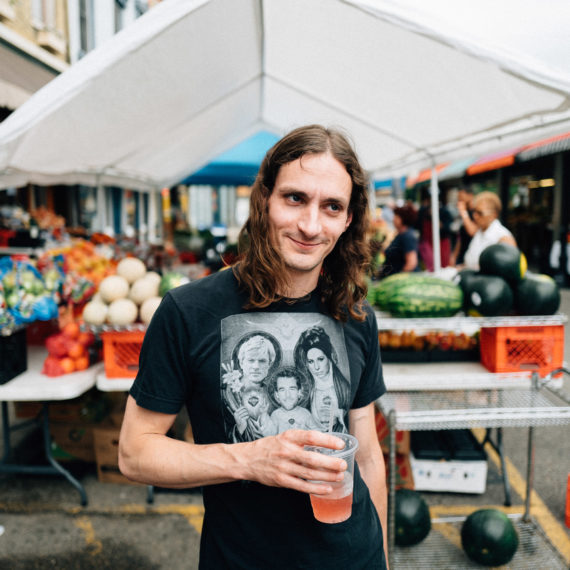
<point x="465" y="396"/>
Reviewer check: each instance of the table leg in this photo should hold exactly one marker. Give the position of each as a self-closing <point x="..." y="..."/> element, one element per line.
<point x="529" y="473"/>
<point x="498" y="447"/>
<point x="6" y="433"/>
<point x="49" y="456"/>
<point x="392" y="488"/>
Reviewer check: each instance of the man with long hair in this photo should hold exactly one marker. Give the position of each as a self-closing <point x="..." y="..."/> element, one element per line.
<point x="303" y="254"/>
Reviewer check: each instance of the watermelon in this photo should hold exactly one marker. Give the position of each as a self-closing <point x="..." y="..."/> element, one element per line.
<point x="462" y="278"/>
<point x="415" y="295"/>
<point x="503" y="260"/>
<point x="489" y="538"/>
<point x="488" y="296"/>
<point x="537" y="295"/>
<point x="171" y="280"/>
<point x="384" y="287"/>
<point x="413" y="521"/>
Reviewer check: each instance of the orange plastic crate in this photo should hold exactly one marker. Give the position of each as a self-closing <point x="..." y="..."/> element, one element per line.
<point x="515" y="349"/>
<point x="121" y="350"/>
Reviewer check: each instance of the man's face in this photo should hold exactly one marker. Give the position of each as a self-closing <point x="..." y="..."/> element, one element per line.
<point x="287" y="393"/>
<point x="255" y="364"/>
<point x="308" y="211"/>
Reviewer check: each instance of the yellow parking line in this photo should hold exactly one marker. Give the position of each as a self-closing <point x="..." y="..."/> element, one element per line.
<point x="539" y="511"/>
<point x="93" y="543"/>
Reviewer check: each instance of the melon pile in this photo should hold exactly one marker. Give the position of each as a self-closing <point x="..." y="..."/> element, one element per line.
<point x="131" y="294"/>
<point x="503" y="286"/>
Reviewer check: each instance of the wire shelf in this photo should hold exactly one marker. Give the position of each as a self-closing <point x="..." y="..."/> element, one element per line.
<point x="457" y="409"/>
<point x="462" y="322"/>
<point x="442" y="549"/>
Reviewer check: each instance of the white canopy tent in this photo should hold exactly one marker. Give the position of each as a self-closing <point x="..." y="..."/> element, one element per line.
<point x="192" y="78"/>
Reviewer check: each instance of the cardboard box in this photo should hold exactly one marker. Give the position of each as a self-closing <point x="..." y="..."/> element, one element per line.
<point x="72" y="441"/>
<point x="450" y="476"/>
<point x="106" y="444"/>
<point x="404" y="474"/>
<point x="91" y="407"/>
<point x="402" y="437"/>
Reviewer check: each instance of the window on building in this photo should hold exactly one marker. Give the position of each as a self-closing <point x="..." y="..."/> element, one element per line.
<point x="85" y="30"/>
<point x="43" y="14"/>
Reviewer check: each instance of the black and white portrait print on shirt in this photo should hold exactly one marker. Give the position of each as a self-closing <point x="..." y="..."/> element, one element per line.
<point x="283" y="371"/>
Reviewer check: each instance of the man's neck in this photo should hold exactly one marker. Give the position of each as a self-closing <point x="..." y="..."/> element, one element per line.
<point x="300" y="285"/>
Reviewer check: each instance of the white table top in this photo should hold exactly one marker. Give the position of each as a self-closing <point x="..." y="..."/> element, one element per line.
<point x="106" y="384"/>
<point x="33" y="386"/>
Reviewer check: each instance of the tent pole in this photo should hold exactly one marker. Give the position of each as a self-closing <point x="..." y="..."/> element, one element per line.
<point x="434" y="190"/>
<point x="152" y="217"/>
<point x="101" y="207"/>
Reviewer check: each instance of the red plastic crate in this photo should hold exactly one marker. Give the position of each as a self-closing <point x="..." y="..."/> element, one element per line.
<point x="121" y="351"/>
<point x="515" y="349"/>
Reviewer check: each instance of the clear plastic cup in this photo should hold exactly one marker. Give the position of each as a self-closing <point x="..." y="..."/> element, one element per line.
<point x="337" y="506"/>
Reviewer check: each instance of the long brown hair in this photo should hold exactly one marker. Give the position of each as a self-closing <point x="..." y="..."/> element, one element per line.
<point x="262" y="271"/>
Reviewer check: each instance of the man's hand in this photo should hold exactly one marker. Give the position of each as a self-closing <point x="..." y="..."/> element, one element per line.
<point x="241" y="416"/>
<point x="283" y="461"/>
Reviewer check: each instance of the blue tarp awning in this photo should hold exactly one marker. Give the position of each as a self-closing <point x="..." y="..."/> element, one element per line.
<point x="237" y="166"/>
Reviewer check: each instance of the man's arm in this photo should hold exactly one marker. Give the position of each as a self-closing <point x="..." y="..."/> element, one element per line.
<point x="148" y="455"/>
<point x="371" y="463"/>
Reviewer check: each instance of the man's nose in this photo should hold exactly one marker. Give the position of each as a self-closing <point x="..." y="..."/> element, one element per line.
<point x="310" y="221"/>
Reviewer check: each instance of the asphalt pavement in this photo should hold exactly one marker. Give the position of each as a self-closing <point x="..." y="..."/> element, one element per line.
<point x="43" y="525"/>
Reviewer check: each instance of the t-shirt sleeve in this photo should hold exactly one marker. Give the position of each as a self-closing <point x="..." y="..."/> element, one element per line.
<point x="160" y="384"/>
<point x="409" y="242"/>
<point x="371" y="385"/>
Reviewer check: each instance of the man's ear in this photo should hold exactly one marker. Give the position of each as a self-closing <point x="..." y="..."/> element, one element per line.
<point x="348" y="220"/>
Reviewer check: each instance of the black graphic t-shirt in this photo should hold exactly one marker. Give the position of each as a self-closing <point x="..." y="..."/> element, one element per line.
<point x="248" y="374"/>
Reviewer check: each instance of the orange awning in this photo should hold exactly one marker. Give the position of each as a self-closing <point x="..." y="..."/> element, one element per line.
<point x="493" y="161"/>
<point x="424" y="175"/>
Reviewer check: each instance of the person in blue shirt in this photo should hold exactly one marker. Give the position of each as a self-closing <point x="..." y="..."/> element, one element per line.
<point x="402" y="253"/>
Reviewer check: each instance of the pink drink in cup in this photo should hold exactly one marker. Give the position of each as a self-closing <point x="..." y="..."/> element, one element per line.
<point x="337" y="506"/>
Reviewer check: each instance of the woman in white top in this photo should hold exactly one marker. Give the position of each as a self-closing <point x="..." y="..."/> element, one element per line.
<point x="486" y="211"/>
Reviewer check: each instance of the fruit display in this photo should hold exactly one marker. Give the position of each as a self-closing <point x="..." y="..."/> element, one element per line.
<point x="489" y="538"/>
<point x="418" y="295"/>
<point x="430" y="340"/>
<point x="130" y="295"/>
<point x="68" y="350"/>
<point x="503" y="286"/>
<point x="25" y="294"/>
<point x="413" y="521"/>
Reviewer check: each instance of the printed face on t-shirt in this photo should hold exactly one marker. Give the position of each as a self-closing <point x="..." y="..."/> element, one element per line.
<point x="318" y="363"/>
<point x="255" y="364"/>
<point x="287" y="392"/>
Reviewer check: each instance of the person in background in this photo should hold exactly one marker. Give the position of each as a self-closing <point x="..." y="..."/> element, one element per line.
<point x="424" y="225"/>
<point x="467" y="228"/>
<point x="486" y="212"/>
<point x="303" y="263"/>
<point x="401" y="255"/>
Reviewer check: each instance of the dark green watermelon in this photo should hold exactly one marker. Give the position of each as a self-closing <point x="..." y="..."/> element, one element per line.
<point x="463" y="276"/>
<point x="537" y="295"/>
<point x="503" y="260"/>
<point x="489" y="538"/>
<point x="488" y="296"/>
<point x="413" y="521"/>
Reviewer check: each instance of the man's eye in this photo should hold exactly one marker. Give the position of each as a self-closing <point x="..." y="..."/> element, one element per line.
<point x="335" y="207"/>
<point x="294" y="198"/>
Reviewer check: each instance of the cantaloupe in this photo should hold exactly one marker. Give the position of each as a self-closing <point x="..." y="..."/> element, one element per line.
<point x="143" y="289"/>
<point x="95" y="313"/>
<point x="131" y="268"/>
<point x="113" y="287"/>
<point x="122" y="312"/>
<point x="148" y="308"/>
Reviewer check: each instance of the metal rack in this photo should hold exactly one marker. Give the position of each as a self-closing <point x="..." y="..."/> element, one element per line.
<point x="493" y="407"/>
<point x="461" y="322"/>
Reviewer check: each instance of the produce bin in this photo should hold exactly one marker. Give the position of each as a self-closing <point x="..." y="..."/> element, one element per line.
<point x="516" y="348"/>
<point x="121" y="350"/>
